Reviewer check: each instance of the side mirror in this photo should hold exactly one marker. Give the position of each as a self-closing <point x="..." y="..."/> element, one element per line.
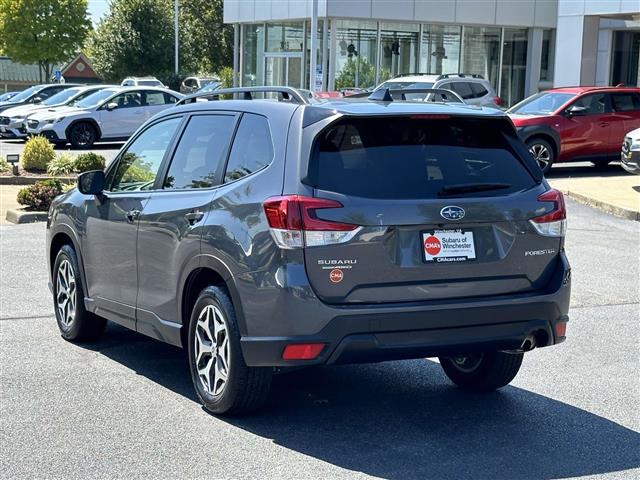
<point x="576" y="110"/>
<point x="91" y="183"/>
<point x="37" y="100"/>
<point x="112" y="106"/>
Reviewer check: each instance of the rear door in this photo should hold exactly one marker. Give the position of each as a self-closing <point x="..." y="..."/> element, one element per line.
<point x="125" y="119"/>
<point x="626" y="117"/>
<point x="171" y="221"/>
<point x="425" y="232"/>
<point x="155" y="101"/>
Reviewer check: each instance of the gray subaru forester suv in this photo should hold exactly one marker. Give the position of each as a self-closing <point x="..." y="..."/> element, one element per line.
<point x="264" y="235"/>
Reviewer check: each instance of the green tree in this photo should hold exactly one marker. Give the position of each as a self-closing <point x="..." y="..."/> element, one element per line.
<point x="45" y="32"/>
<point x="135" y="38"/>
<point x="359" y="73"/>
<point x="206" y="43"/>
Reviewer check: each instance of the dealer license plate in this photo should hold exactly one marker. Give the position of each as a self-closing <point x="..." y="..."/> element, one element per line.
<point x="444" y="246"/>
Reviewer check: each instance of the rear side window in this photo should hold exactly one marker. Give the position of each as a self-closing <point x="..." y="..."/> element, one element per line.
<point x="624" y="102"/>
<point x="463" y="89"/>
<point x="199" y="158"/>
<point x="252" y="149"/>
<point x="478" y="90"/>
<point x="412" y="157"/>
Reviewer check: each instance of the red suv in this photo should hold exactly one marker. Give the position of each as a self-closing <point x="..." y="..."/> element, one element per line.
<point x="577" y="123"/>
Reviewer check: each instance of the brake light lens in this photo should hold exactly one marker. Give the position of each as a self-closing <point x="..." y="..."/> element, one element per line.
<point x="553" y="223"/>
<point x="302" y="351"/>
<point x="294" y="224"/>
<point x="497" y="100"/>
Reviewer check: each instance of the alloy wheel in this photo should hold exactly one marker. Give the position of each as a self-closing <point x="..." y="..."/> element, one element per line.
<point x="212" y="350"/>
<point x="467" y="364"/>
<point x="82" y="135"/>
<point x="541" y="154"/>
<point x="66" y="292"/>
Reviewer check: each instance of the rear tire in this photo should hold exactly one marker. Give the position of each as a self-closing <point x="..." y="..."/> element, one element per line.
<point x="223" y="382"/>
<point x="542" y="153"/>
<point x="483" y="372"/>
<point x="76" y="324"/>
<point x="82" y="135"/>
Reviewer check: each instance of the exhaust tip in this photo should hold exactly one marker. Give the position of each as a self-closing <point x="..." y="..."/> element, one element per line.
<point x="528" y="344"/>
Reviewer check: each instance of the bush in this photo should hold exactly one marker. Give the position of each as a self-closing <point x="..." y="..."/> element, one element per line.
<point x="40" y="195"/>
<point x="226" y="77"/>
<point x="37" y="154"/>
<point x="89" y="161"/>
<point x="62" y="165"/>
<point x="4" y="165"/>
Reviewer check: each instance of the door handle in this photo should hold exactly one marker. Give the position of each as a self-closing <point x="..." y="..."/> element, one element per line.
<point x="604" y="124"/>
<point x="194" y="217"/>
<point x="132" y="215"/>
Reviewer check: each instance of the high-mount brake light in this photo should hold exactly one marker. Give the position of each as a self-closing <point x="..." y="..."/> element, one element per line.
<point x="553" y="223"/>
<point x="294" y="224"/>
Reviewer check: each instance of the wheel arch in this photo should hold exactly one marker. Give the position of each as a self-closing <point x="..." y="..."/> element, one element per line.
<point x="65" y="236"/>
<point x="545" y="133"/>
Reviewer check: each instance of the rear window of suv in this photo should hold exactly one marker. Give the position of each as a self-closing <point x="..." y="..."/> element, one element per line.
<point x="417" y="157"/>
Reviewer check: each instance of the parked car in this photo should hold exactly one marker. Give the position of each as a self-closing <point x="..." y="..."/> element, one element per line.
<point x="474" y="89"/>
<point x="110" y="114"/>
<point x="141" y="82"/>
<point x="7" y="96"/>
<point x="35" y="95"/>
<point x="13" y="120"/>
<point x="577" y="123"/>
<point x="631" y="152"/>
<point x="261" y="234"/>
<point x="193" y="84"/>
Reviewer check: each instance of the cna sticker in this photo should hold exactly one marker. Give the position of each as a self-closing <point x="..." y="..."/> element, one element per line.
<point x="336" y="275"/>
<point x="432" y="245"/>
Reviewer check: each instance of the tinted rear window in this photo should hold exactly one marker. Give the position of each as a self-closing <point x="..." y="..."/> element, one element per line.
<point x="416" y="157"/>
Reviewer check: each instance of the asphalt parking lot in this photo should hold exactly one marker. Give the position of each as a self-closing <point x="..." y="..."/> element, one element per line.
<point x="124" y="407"/>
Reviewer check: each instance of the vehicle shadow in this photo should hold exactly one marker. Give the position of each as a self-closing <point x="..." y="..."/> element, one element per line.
<point x="402" y="420"/>
<point x="585" y="169"/>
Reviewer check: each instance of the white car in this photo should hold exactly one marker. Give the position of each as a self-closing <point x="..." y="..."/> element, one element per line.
<point x="474" y="89"/>
<point x="141" y="82"/>
<point x="630" y="158"/>
<point x="112" y="114"/>
<point x="13" y="120"/>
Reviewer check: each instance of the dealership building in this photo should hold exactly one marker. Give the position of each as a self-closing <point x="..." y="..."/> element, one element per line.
<point x="521" y="46"/>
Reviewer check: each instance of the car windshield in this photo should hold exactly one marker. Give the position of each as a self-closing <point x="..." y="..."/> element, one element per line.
<point x="25" y="94"/>
<point x="403" y="85"/>
<point x="62" y="97"/>
<point x="543" y="103"/>
<point x="210" y="86"/>
<point x="150" y="83"/>
<point x="95" y="99"/>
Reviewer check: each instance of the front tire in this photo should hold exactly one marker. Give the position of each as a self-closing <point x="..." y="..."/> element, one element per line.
<point x="76" y="324"/>
<point x="82" y="135"/>
<point x="223" y="382"/>
<point x="542" y="153"/>
<point x="482" y="372"/>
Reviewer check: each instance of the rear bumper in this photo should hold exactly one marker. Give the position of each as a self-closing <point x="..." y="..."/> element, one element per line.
<point x="381" y="332"/>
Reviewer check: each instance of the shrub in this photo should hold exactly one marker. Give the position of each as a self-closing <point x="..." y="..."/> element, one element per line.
<point x="89" y="161"/>
<point x="40" y="195"/>
<point x="62" y="165"/>
<point x="4" y="165"/>
<point x="37" y="154"/>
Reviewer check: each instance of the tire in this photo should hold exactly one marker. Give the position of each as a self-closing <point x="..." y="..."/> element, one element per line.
<point x="76" y="324"/>
<point x="82" y="135"/>
<point x="542" y="152"/>
<point x="601" y="163"/>
<point x="482" y="372"/>
<point x="245" y="389"/>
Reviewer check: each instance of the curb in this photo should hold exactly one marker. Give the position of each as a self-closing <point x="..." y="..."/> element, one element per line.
<point x="25" y="216"/>
<point x="604" y="206"/>
<point x="14" y="180"/>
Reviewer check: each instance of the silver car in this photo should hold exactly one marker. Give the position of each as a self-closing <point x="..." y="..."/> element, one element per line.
<point x="630" y="156"/>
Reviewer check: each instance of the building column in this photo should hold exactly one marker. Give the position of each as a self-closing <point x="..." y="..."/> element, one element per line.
<point x="534" y="59"/>
<point x="576" y="50"/>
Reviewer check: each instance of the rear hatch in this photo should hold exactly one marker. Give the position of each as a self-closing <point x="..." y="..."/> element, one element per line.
<point x="440" y="208"/>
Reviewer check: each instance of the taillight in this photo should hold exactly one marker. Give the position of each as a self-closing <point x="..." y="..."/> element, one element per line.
<point x="497" y="100"/>
<point x="294" y="224"/>
<point x="553" y="223"/>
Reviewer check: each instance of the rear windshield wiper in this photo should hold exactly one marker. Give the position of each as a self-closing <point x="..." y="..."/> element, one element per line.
<point x="470" y="188"/>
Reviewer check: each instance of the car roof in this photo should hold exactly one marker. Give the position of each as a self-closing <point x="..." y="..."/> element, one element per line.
<point x="413" y="78"/>
<point x="147" y="88"/>
<point x="583" y="89"/>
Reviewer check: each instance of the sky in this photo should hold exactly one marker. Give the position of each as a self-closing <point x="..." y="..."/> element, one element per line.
<point x="97" y="8"/>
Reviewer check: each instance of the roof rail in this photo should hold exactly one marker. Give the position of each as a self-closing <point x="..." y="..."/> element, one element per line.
<point x="285" y="94"/>
<point x="460" y="75"/>
<point x="413" y="74"/>
<point x="400" y="95"/>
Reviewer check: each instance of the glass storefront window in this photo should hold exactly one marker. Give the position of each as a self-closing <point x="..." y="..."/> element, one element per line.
<point x="399" y="49"/>
<point x="440" y="49"/>
<point x="356" y="54"/>
<point x="514" y="65"/>
<point x="548" y="49"/>
<point x="252" y="46"/>
<point x="285" y="37"/>
<point x="482" y="52"/>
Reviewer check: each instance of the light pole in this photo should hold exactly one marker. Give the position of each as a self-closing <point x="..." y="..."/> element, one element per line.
<point x="176" y="32"/>
<point x="314" y="46"/>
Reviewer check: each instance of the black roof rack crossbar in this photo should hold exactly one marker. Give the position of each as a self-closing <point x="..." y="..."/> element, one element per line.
<point x="391" y="95"/>
<point x="285" y="94"/>
<point x="460" y="75"/>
